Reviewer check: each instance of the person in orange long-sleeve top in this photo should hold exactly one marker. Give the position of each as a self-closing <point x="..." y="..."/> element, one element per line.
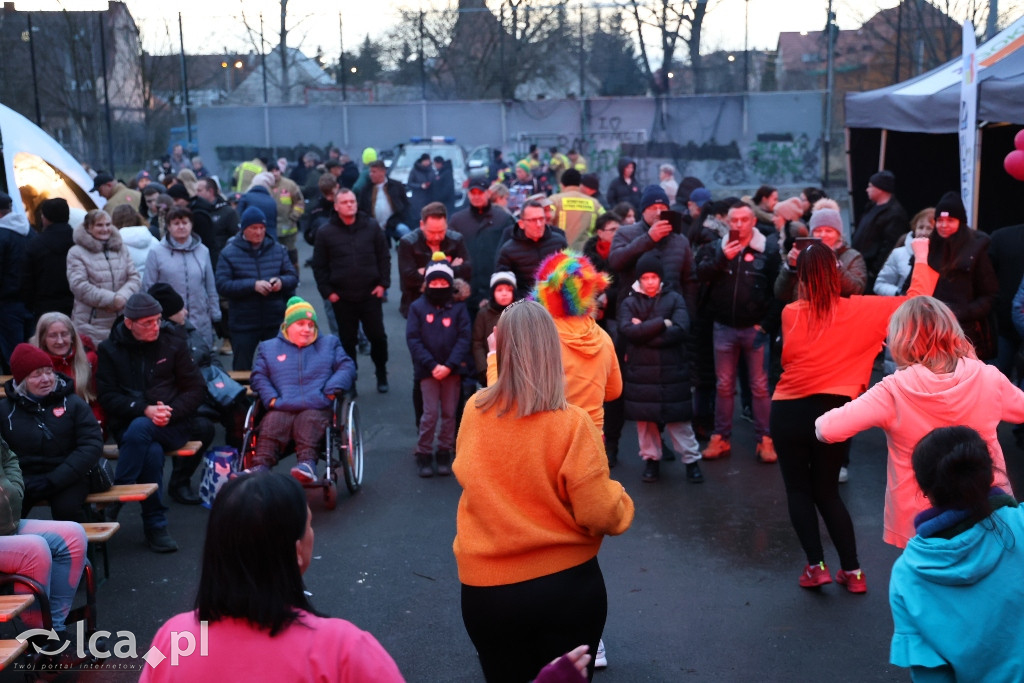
<point x="829" y="345"/>
<point x="536" y="504"/>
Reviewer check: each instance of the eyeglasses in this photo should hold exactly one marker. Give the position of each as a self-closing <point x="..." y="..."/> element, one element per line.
<point x="538" y="219"/>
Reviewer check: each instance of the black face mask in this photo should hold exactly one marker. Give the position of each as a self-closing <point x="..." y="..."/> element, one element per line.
<point x="438" y="296"/>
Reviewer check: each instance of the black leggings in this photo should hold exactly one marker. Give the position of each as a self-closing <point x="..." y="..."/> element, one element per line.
<point x="519" y="628"/>
<point x="810" y="471"/>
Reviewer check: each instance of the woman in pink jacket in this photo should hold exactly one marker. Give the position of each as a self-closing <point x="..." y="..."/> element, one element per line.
<point x="940" y="382"/>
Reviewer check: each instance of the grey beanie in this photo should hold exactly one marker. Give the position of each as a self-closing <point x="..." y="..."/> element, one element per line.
<point x="828" y="218"/>
<point x="141" y="305"/>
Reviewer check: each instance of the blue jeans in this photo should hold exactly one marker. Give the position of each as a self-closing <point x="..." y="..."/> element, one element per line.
<point x="141" y="461"/>
<point x="52" y="553"/>
<point x="729" y="343"/>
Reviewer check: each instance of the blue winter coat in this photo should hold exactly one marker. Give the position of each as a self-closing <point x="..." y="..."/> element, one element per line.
<point x="438" y="336"/>
<point x="300" y="379"/>
<point x="239" y="267"/>
<point x="956" y="602"/>
<point x="261" y="198"/>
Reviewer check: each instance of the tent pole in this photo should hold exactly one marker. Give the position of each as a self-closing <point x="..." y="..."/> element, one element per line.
<point x="977" y="180"/>
<point x="881" y="149"/>
<point x="849" y="163"/>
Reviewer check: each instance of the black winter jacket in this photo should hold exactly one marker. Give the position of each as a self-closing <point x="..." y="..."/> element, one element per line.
<point x="438" y="336"/>
<point x="351" y="260"/>
<point x="619" y="190"/>
<point x="44" y="274"/>
<point x="739" y="292"/>
<point x="876" y="235"/>
<point x="399" y="203"/>
<point x="413" y="254"/>
<point x="523" y="256"/>
<point x="57" y="437"/>
<point x="225" y="226"/>
<point x="240" y="266"/>
<point x="656" y="369"/>
<point x="968" y="285"/>
<point x="133" y="375"/>
<point x="632" y="241"/>
<point x="481" y="231"/>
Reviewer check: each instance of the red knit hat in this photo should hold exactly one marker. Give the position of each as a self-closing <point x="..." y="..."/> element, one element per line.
<point x="27" y="358"/>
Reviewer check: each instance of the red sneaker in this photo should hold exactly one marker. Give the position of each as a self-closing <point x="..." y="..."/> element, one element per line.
<point x="854" y="581"/>
<point x="815" y="575"/>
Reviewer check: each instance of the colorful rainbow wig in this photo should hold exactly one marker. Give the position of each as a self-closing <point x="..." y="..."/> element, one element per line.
<point x="568" y="285"/>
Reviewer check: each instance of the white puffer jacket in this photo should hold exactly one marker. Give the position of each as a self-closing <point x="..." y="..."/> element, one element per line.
<point x="97" y="273"/>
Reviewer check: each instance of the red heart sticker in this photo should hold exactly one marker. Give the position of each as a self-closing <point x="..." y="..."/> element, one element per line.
<point x="58" y="411"/>
<point x="748" y="258"/>
<point x="447" y="322"/>
<point x="282" y="357"/>
<point x="430" y="317"/>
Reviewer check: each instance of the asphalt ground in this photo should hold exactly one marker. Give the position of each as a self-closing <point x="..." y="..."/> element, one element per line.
<point x="702" y="587"/>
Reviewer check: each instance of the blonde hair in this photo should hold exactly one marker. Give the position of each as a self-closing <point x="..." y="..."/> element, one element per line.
<point x="83" y="371"/>
<point x="530" y="375"/>
<point x="91" y="218"/>
<point x="189" y="180"/>
<point x="923" y="331"/>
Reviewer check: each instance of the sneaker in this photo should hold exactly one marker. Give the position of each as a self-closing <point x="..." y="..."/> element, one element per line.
<point x="256" y="469"/>
<point x="225" y="348"/>
<point x="766" y="450"/>
<point x="159" y="541"/>
<point x="815" y="575"/>
<point x="693" y="473"/>
<point x="382" y="386"/>
<point x="304" y="472"/>
<point x="601" y="660"/>
<point x="854" y="581"/>
<point x="844" y="476"/>
<point x="718" y="447"/>
<point x="652" y="471"/>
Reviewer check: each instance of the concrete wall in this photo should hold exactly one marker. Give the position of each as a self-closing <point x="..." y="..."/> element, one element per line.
<point x="732" y="142"/>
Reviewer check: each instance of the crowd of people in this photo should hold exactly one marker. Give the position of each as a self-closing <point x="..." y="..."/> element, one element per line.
<point x="541" y="314"/>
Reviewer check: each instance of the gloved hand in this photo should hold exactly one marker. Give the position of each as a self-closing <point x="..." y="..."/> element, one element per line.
<point x="38" y="486"/>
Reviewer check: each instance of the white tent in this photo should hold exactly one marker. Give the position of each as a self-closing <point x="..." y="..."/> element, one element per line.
<point x="37" y="167"/>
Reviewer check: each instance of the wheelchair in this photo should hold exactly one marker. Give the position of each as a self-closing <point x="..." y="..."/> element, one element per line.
<point x="342" y="447"/>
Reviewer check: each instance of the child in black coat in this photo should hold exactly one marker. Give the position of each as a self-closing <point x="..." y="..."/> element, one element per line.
<point x="438" y="334"/>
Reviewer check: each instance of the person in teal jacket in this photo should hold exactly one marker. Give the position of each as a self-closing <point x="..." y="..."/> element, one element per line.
<point x="956" y="592"/>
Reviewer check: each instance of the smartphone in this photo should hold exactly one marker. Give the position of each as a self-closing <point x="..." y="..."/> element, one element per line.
<point x="734" y="235"/>
<point x="802" y="243"/>
<point x="674" y="218"/>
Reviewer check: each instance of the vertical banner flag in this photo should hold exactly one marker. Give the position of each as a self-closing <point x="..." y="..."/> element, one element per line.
<point x="968" y="122"/>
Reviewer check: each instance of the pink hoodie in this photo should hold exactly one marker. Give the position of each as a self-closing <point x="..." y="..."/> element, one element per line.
<point x="913" y="402"/>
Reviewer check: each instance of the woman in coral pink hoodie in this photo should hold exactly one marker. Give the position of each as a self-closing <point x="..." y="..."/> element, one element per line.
<point x="940" y="382"/>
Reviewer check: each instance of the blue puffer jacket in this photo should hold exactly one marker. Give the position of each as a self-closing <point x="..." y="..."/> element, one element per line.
<point x="438" y="336"/>
<point x="239" y="267"/>
<point x="300" y="379"/>
<point x="261" y="198"/>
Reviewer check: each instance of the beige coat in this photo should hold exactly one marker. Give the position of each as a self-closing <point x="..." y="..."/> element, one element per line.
<point x="97" y="274"/>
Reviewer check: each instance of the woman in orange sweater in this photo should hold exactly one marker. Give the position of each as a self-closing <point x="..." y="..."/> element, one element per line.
<point x="536" y="503"/>
<point x="829" y="345"/>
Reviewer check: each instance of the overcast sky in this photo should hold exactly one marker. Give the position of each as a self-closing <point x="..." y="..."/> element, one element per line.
<point x="210" y="26"/>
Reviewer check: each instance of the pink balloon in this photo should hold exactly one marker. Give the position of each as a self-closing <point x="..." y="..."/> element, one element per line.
<point x="1014" y="164"/>
<point x="1018" y="139"/>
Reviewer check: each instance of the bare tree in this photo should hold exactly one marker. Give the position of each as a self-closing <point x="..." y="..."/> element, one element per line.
<point x="674" y="21"/>
<point x="284" y="80"/>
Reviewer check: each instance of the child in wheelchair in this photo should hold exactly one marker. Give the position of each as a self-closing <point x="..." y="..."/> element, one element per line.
<point x="297" y="375"/>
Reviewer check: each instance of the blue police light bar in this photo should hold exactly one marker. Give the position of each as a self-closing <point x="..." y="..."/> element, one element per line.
<point x="434" y="138"/>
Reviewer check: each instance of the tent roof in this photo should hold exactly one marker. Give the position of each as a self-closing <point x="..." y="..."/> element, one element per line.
<point x="930" y="103"/>
<point x="18" y="134"/>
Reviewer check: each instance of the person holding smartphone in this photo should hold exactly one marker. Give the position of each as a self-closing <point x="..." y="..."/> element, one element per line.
<point x="826" y="226"/>
<point x="256" y="275"/>
<point x="738" y="271"/>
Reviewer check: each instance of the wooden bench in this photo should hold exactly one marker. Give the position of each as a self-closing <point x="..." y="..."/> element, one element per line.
<point x="98" y="533"/>
<point x="10" y="650"/>
<point x="13" y="605"/>
<point x="122" y="493"/>
<point x="110" y="451"/>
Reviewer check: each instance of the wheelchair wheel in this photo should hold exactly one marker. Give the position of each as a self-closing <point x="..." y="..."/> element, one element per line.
<point x="249" y="436"/>
<point x="330" y="494"/>
<point x="352" y="442"/>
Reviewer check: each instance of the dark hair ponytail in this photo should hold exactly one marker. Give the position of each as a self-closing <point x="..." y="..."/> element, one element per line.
<point x="954" y="469"/>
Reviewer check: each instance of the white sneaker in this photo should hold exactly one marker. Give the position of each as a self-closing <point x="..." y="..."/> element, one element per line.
<point x="844" y="476"/>
<point x="601" y="660"/>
